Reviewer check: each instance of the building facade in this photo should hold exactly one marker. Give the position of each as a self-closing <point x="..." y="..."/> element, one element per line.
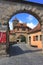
<point x="22" y="32"/>
<point x="19" y="32"/>
<point x="35" y="37"/>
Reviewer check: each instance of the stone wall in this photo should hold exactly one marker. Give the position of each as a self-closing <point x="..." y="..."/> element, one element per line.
<point x="8" y="9"/>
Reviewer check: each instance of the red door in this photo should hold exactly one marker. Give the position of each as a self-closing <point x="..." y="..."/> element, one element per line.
<point x="2" y="37"/>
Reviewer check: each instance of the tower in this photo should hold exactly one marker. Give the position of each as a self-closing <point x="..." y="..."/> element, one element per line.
<point x="15" y="21"/>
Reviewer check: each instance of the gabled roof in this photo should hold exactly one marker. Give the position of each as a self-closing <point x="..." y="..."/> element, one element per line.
<point x="22" y="25"/>
<point x="36" y="29"/>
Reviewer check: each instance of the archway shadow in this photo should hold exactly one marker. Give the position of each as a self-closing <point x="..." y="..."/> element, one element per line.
<point x="16" y="50"/>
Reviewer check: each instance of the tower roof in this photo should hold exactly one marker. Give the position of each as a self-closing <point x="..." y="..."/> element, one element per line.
<point x="22" y="25"/>
<point x="15" y="19"/>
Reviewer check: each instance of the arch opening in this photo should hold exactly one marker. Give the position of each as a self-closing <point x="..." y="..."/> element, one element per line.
<point x="21" y="38"/>
<point x="38" y="32"/>
<point x="28" y="12"/>
<point x="25" y="15"/>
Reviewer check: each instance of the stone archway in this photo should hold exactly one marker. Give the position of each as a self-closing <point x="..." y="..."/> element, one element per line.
<point x="8" y="9"/>
<point x="21" y="38"/>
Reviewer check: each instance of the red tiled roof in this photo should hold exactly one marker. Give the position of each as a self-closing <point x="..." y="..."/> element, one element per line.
<point x="21" y="25"/>
<point x="37" y="28"/>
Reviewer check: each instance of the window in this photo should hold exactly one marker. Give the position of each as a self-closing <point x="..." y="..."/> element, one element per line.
<point x="18" y="29"/>
<point x="36" y="38"/>
<point x="21" y="24"/>
<point x="29" y="38"/>
<point x="23" y="29"/>
<point x="40" y="37"/>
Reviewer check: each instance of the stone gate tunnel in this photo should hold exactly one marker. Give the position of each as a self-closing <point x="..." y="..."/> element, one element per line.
<point x="8" y="9"/>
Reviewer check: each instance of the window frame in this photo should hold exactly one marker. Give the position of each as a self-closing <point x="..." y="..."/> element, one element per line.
<point x="23" y="29"/>
<point x="17" y="29"/>
<point x="40" y="37"/>
<point x="36" y="37"/>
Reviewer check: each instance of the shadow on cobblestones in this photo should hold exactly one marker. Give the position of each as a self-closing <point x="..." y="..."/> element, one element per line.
<point x="16" y="50"/>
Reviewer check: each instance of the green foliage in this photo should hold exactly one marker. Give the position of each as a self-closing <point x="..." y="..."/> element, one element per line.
<point x="23" y="39"/>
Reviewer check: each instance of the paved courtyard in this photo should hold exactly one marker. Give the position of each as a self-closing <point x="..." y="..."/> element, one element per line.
<point x="23" y="54"/>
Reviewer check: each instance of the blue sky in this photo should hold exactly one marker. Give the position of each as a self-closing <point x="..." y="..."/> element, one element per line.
<point x="36" y="1"/>
<point x="30" y="20"/>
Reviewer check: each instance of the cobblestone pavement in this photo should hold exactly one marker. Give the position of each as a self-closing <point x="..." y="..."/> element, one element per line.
<point x="22" y="54"/>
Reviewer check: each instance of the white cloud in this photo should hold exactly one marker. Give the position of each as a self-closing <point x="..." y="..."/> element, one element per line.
<point x="11" y="25"/>
<point x="30" y="18"/>
<point x="20" y="21"/>
<point x="31" y="25"/>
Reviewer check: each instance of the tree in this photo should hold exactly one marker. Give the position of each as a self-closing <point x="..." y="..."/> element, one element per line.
<point x="23" y="38"/>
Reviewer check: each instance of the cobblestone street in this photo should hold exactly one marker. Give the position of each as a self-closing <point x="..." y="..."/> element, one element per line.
<point x="22" y="54"/>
